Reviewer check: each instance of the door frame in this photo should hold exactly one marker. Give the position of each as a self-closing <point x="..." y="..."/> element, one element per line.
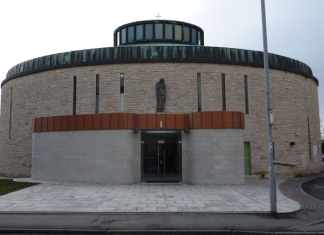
<point x="178" y="161"/>
<point x="247" y="151"/>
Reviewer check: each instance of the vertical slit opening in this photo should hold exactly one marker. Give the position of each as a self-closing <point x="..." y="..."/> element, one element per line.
<point x="199" y="91"/>
<point x="97" y="94"/>
<point x="10" y="113"/>
<point x="246" y="94"/>
<point x="121" y="92"/>
<point x="74" y="96"/>
<point x="223" y="92"/>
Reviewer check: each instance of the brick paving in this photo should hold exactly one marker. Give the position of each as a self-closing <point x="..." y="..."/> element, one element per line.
<point x="292" y="189"/>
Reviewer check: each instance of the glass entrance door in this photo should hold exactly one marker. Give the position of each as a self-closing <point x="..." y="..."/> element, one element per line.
<point x="161" y="156"/>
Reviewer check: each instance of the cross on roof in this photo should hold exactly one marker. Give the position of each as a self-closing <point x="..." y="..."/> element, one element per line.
<point x="158" y="16"/>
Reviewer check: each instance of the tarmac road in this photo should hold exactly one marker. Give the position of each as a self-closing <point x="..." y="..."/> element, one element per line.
<point x="184" y="223"/>
<point x="315" y="188"/>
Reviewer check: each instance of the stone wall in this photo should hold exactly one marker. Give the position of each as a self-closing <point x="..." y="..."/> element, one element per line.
<point x="214" y="156"/>
<point x="86" y="156"/>
<point x="210" y="156"/>
<point x="49" y="93"/>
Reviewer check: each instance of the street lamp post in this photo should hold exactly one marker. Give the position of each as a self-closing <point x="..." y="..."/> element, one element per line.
<point x="272" y="179"/>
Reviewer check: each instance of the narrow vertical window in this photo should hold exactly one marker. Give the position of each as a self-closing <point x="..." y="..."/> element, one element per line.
<point x="97" y="93"/>
<point x="10" y="112"/>
<point x="178" y="32"/>
<point x="193" y="36"/>
<point x="223" y="92"/>
<point x="186" y="33"/>
<point x="246" y="89"/>
<point x="148" y="31"/>
<point x="199" y="38"/>
<point x="118" y="40"/>
<point x="123" y="36"/>
<point x="199" y="91"/>
<point x="121" y="92"/>
<point x="74" y="95"/>
<point x="168" y="31"/>
<point x="139" y="32"/>
<point x="158" y="31"/>
<point x="130" y="34"/>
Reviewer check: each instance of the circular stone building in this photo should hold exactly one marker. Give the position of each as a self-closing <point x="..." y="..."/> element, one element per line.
<point x="106" y="115"/>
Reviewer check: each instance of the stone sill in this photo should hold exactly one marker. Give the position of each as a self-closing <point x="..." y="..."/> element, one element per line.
<point x="284" y="164"/>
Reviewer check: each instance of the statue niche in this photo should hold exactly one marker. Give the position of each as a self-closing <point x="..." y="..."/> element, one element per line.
<point x="160" y="95"/>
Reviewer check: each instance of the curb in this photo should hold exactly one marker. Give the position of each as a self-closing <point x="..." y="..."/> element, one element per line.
<point x="101" y="231"/>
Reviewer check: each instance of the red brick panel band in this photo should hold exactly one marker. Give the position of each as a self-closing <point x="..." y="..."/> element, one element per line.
<point x="132" y="121"/>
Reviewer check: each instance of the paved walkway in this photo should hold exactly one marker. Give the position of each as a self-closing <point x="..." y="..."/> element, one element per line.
<point x="292" y="189"/>
<point x="68" y="197"/>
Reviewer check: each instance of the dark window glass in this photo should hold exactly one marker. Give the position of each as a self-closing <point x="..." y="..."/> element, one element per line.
<point x="186" y="33"/>
<point x="130" y="34"/>
<point x="246" y="88"/>
<point x="199" y="91"/>
<point x="121" y="83"/>
<point x="97" y="94"/>
<point x="168" y="31"/>
<point x="74" y="95"/>
<point x="148" y="31"/>
<point x="177" y="32"/>
<point x="139" y="32"/>
<point x="121" y="96"/>
<point x="199" y="40"/>
<point x="158" y="31"/>
<point x="10" y="114"/>
<point x="223" y="92"/>
<point x="123" y="36"/>
<point x="118" y="42"/>
<point x="194" y="36"/>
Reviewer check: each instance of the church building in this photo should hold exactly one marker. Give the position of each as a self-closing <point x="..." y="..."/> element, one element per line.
<point x="157" y="107"/>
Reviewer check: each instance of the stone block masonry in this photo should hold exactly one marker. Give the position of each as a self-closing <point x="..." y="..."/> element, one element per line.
<point x="106" y="157"/>
<point x="214" y="157"/>
<point x="49" y="93"/>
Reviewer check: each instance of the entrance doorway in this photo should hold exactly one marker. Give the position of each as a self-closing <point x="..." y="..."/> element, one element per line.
<point x="247" y="158"/>
<point x="161" y="157"/>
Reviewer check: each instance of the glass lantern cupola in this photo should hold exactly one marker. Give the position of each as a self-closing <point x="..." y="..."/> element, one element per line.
<point x="158" y="31"/>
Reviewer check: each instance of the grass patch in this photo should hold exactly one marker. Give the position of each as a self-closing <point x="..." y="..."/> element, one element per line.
<point x="9" y="186"/>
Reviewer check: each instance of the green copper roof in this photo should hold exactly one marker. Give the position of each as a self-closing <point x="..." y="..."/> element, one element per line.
<point x="153" y="53"/>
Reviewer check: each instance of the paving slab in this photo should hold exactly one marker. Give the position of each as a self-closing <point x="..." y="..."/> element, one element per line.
<point x="72" y="197"/>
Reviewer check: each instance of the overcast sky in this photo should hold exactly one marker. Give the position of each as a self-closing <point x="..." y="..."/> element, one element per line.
<point x="31" y="29"/>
